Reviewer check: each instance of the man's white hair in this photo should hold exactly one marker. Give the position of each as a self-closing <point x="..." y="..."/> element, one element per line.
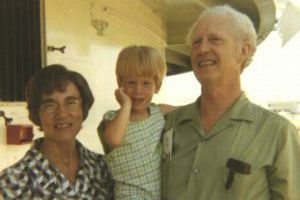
<point x="241" y="27"/>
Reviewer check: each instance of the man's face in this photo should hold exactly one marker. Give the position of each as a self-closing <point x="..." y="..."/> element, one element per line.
<point x="61" y="114"/>
<point x="216" y="54"/>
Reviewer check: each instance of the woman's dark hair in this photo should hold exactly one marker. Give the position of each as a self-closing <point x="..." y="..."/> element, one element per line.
<point x="55" y="78"/>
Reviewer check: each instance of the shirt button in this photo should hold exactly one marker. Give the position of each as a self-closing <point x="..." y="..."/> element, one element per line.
<point x="203" y="141"/>
<point x="195" y="171"/>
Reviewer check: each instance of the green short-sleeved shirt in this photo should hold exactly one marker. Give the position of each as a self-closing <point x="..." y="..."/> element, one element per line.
<point x="135" y="165"/>
<point x="249" y="133"/>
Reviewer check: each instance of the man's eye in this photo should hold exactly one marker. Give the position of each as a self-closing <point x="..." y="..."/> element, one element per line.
<point x="215" y="39"/>
<point x="196" y="43"/>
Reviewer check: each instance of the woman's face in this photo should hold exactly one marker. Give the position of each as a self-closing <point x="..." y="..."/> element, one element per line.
<point x="61" y="114"/>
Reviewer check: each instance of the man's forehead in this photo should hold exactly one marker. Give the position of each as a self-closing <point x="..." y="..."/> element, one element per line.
<point x="212" y="26"/>
<point x="214" y="19"/>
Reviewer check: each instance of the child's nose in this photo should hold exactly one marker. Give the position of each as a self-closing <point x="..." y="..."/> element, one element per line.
<point x="138" y="88"/>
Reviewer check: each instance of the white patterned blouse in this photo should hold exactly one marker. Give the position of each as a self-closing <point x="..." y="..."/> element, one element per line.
<point x="34" y="178"/>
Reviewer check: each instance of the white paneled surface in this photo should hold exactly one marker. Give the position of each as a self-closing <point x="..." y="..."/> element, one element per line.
<point x="94" y="54"/>
<point x="70" y="23"/>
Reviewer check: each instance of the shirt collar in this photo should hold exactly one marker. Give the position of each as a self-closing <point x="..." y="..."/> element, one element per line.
<point x="55" y="176"/>
<point x="240" y="110"/>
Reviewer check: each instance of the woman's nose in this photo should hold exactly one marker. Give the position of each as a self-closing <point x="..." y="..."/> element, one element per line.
<point x="61" y="110"/>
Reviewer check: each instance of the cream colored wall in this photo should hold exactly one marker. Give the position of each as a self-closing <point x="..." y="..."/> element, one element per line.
<point x="69" y="23"/>
<point x="11" y="153"/>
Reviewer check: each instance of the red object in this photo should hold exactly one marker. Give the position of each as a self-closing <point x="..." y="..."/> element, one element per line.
<point x="19" y="133"/>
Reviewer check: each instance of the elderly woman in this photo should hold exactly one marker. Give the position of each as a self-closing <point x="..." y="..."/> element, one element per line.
<point x="58" y="166"/>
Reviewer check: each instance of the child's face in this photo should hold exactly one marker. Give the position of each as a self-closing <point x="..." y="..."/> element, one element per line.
<point x="140" y="90"/>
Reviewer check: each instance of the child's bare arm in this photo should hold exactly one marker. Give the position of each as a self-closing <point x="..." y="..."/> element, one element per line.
<point x="165" y="108"/>
<point x="115" y="129"/>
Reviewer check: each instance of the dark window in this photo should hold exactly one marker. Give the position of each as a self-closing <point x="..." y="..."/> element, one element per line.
<point x="20" y="46"/>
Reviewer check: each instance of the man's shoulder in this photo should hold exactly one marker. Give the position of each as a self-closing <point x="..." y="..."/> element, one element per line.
<point x="182" y="113"/>
<point x="275" y="120"/>
<point x="180" y="110"/>
<point x="268" y="114"/>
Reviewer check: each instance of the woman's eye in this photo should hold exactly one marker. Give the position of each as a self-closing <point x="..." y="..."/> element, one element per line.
<point x="49" y="107"/>
<point x="72" y="104"/>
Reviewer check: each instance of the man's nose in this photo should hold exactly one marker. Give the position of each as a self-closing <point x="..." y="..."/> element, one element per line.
<point x="203" y="47"/>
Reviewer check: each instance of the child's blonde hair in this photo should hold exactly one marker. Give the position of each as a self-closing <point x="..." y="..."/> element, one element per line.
<point x="141" y="61"/>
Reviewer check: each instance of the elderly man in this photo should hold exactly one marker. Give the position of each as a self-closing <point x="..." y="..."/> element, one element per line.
<point x="223" y="146"/>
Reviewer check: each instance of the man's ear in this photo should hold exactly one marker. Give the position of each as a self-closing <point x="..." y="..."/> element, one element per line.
<point x="245" y="51"/>
<point x="244" y="54"/>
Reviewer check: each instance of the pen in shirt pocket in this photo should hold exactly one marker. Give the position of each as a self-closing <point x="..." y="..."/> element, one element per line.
<point x="236" y="166"/>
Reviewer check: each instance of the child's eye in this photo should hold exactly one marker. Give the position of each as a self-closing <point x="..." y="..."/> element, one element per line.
<point x="130" y="82"/>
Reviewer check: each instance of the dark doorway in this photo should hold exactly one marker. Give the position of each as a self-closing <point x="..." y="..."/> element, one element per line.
<point x="20" y="46"/>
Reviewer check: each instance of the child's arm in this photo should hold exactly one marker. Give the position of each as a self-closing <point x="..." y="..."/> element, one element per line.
<point x="115" y="129"/>
<point x="165" y="108"/>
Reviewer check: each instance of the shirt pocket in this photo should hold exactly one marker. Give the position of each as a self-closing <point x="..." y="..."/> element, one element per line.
<point x="249" y="186"/>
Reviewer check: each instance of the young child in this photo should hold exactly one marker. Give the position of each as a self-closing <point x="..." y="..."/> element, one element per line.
<point x="131" y="135"/>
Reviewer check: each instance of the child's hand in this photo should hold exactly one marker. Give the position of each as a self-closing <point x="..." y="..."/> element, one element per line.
<point x="122" y="98"/>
